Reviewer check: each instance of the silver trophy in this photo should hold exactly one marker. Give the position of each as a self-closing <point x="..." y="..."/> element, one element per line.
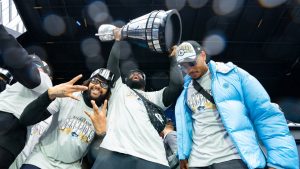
<point x="158" y="30"/>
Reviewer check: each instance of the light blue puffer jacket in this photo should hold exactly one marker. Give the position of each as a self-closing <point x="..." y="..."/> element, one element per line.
<point x="248" y="116"/>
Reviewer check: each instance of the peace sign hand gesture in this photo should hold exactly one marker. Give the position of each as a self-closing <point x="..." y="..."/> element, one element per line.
<point x="98" y="118"/>
<point x="66" y="89"/>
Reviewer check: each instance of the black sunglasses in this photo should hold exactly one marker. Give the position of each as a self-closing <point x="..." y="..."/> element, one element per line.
<point x="186" y="65"/>
<point x="98" y="81"/>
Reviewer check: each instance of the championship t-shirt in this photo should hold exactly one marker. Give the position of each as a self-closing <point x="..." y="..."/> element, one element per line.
<point x="211" y="142"/>
<point x="69" y="135"/>
<point x="129" y="129"/>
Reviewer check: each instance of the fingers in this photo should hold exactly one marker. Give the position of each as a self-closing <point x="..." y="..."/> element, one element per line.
<point x="95" y="107"/>
<point x="79" y="88"/>
<point x="173" y="51"/>
<point x="75" y="79"/>
<point x="104" y="106"/>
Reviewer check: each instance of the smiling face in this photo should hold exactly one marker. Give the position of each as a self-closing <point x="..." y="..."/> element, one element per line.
<point x="97" y="87"/>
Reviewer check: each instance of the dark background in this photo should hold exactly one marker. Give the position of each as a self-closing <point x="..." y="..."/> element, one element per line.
<point x="262" y="38"/>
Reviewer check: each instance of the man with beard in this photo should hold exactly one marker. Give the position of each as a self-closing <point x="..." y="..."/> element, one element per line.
<point x="73" y="127"/>
<point x="131" y="139"/>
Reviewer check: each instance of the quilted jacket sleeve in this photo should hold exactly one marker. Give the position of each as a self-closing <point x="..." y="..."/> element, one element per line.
<point x="269" y="123"/>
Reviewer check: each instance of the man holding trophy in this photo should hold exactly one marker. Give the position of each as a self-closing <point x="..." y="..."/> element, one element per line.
<point x="132" y="138"/>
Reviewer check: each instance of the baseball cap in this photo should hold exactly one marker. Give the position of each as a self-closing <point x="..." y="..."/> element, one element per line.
<point x="186" y="54"/>
<point x="106" y="74"/>
<point x="188" y="51"/>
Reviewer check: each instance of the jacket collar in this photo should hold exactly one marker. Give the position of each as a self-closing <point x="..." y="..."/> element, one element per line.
<point x="214" y="67"/>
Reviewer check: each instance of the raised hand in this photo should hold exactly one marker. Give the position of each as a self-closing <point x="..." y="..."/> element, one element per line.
<point x="117" y="34"/>
<point x="98" y="118"/>
<point x="66" y="89"/>
<point x="172" y="51"/>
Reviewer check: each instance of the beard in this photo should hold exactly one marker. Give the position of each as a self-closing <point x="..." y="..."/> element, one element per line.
<point x="99" y="101"/>
<point x="136" y="84"/>
<point x="2" y="85"/>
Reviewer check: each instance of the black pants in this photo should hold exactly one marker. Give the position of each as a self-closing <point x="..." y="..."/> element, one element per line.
<point x="231" y="164"/>
<point x="114" y="160"/>
<point x="6" y="158"/>
<point x="12" y="139"/>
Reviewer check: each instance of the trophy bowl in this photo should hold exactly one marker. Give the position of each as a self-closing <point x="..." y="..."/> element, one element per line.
<point x="158" y="30"/>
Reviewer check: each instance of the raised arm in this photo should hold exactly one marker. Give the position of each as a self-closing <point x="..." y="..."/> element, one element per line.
<point x="36" y="111"/>
<point x="114" y="60"/>
<point x="173" y="90"/>
<point x="14" y="58"/>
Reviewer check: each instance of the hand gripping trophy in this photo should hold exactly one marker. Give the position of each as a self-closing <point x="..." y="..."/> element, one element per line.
<point x="157" y="30"/>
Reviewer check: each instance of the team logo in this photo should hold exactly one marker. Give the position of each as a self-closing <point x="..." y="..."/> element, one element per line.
<point x="185" y="50"/>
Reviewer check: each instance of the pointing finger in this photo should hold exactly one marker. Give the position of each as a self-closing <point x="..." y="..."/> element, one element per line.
<point x="75" y="79"/>
<point x="104" y="107"/>
<point x="79" y="88"/>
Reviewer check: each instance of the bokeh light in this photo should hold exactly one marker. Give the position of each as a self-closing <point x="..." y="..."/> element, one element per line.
<point x="98" y="12"/>
<point x="54" y="25"/>
<point x="175" y="4"/>
<point x="271" y="3"/>
<point x="90" y="47"/>
<point x="197" y="3"/>
<point x="214" y="44"/>
<point x="221" y="7"/>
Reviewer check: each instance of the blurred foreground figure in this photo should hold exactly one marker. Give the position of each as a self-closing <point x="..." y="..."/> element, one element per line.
<point x="32" y="80"/>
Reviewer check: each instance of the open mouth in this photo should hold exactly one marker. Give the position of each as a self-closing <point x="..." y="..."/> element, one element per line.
<point x="135" y="78"/>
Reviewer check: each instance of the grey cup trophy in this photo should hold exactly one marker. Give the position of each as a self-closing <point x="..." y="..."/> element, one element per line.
<point x="157" y="30"/>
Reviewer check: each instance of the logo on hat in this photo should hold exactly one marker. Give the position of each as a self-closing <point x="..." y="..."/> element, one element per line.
<point x="185" y="53"/>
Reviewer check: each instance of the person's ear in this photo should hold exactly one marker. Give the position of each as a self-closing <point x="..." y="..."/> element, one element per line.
<point x="203" y="55"/>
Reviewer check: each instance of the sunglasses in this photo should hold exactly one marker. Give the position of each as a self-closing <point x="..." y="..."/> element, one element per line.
<point x="98" y="81"/>
<point x="184" y="66"/>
